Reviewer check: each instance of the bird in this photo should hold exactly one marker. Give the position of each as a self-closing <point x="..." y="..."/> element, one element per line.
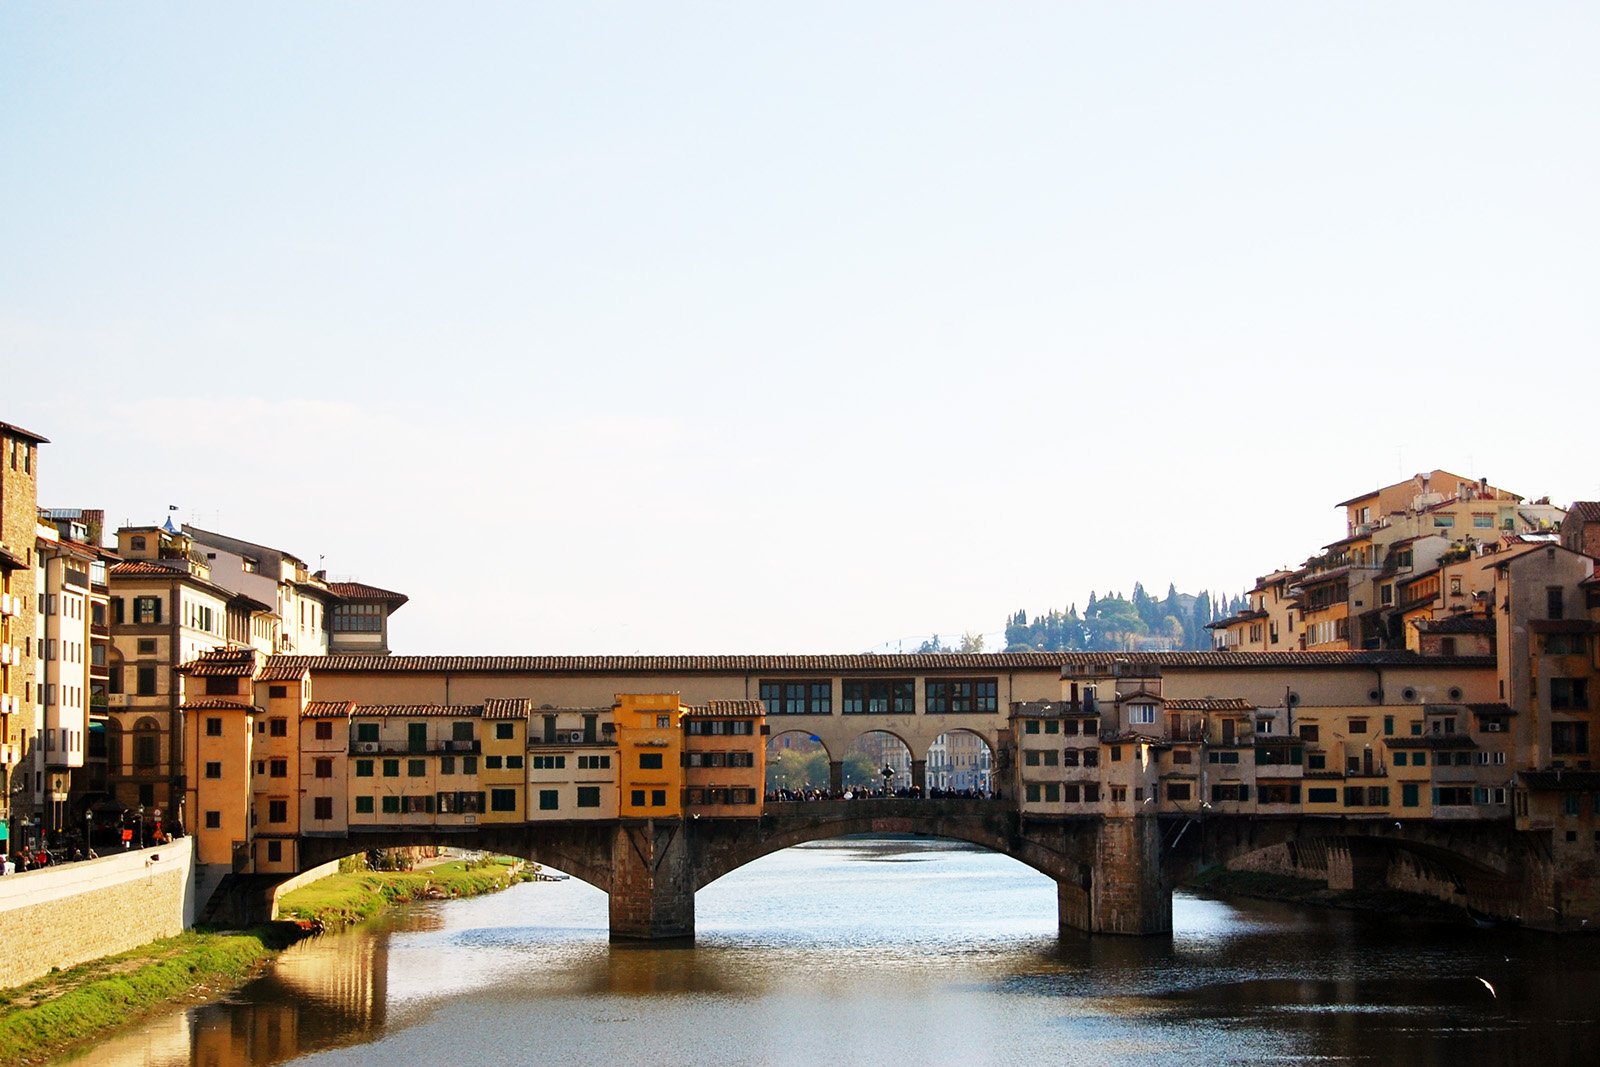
<point x="1487" y="986"/>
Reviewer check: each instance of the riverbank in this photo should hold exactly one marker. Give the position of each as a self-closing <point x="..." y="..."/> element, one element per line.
<point x="49" y="1016"/>
<point x="1221" y="882"/>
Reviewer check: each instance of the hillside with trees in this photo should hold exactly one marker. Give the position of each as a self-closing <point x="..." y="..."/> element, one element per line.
<point x="1114" y="623"/>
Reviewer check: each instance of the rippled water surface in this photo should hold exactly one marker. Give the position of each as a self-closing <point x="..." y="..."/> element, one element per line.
<point x="893" y="951"/>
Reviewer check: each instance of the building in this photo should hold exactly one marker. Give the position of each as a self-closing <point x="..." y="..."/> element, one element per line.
<point x="19" y="624"/>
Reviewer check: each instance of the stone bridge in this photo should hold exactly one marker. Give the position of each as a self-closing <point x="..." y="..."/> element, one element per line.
<point x="1113" y="875"/>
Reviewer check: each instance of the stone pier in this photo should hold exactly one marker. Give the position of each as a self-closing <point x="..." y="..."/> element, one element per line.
<point x="1127" y="892"/>
<point x="652" y="886"/>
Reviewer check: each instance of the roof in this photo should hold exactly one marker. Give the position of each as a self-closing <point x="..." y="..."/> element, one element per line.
<point x="222" y="663"/>
<point x="419" y="711"/>
<point x="1458" y="624"/>
<point x="1581" y="781"/>
<point x="362" y="591"/>
<point x="1491" y="709"/>
<point x="1431" y="741"/>
<point x="281" y="672"/>
<point x="149" y="568"/>
<point x="217" y="704"/>
<point x="17" y="431"/>
<point x="981" y="662"/>
<point x="1211" y="704"/>
<point x="1584" y="511"/>
<point x="505" y="708"/>
<point x="328" y="709"/>
<point x="716" y="709"/>
<point x="11" y="562"/>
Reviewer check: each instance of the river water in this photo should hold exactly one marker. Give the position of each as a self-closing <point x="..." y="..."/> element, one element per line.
<point x="893" y="952"/>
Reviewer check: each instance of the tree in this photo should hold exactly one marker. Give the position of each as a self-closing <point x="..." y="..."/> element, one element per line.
<point x="971" y="642"/>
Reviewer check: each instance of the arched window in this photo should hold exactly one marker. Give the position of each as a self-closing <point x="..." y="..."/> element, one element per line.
<point x="146" y="744"/>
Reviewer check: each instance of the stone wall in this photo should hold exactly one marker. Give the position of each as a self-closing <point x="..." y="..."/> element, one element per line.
<point x="62" y="916"/>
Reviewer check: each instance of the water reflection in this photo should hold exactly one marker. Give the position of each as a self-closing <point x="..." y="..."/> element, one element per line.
<point x="909" y="951"/>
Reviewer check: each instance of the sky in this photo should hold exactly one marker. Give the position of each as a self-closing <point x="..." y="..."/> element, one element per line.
<point x="728" y="327"/>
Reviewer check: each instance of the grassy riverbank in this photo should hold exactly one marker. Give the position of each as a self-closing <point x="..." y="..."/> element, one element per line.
<point x="355" y="896"/>
<point x="53" y="1014"/>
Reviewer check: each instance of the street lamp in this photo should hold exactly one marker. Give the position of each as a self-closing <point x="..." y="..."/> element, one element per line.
<point x="141" y="826"/>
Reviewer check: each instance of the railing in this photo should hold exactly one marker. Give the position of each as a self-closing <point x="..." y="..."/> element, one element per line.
<point x="406" y="748"/>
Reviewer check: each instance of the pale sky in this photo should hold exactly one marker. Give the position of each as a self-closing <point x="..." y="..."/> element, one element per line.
<point x="738" y="327"/>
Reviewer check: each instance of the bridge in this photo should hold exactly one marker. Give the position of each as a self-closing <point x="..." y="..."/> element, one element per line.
<point x="1113" y="875"/>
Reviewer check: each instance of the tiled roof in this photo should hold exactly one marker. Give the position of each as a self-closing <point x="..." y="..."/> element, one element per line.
<point x="951" y="661"/>
<point x="17" y="431"/>
<point x="149" y="568"/>
<point x="276" y="671"/>
<point x="363" y="591"/>
<point x="724" y="709"/>
<point x="11" y="562"/>
<point x="419" y="711"/>
<point x="506" y="708"/>
<point x="1211" y="704"/>
<point x="1432" y="741"/>
<point x="328" y="709"/>
<point x="217" y="704"/>
<point x="1581" y="781"/>
<point x="1459" y="624"/>
<point x="1584" y="511"/>
<point x="222" y="663"/>
<point x="1491" y="709"/>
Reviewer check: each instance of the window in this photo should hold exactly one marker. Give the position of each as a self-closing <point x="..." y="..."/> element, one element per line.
<point x="491" y="763"/>
<point x="391" y="768"/>
<point x="649" y="761"/>
<point x="278" y="727"/>
<point x="367" y="732"/>
<point x="506" y="799"/>
<point x="323" y="731"/>
<point x="469" y="764"/>
<point x="588" y="796"/>
<point x="278" y="768"/>
<point x="1091" y="757"/>
<point x="879" y="696"/>
<point x="363" y="768"/>
<point x="277" y="811"/>
<point x="1569" y="738"/>
<point x="1141" y="714"/>
<point x="556" y="763"/>
<point x="363" y="805"/>
<point x="1554" y="605"/>
<point x="322" y="807"/>
<point x="213" y="726"/>
<point x="797" y="698"/>
<point x="447" y="765"/>
<point x="636" y="797"/>
<point x="1452" y="796"/>
<point x="416" y="768"/>
<point x="1358" y="726"/>
<point x="658" y="798"/>
<point x="213" y="820"/>
<point x="1568" y="694"/>
<point x="417" y="805"/>
<point x="1309" y="731"/>
<point x="147" y="682"/>
<point x="146" y="610"/>
<point x="585" y="763"/>
<point x="391" y="805"/>
<point x="956" y="696"/>
<point x="1322" y="795"/>
<point x="503" y="731"/>
<point x="1031" y="726"/>
<point x="1399" y="758"/>
<point x="214" y="769"/>
<point x="357" y="618"/>
<point x="218" y="686"/>
<point x="274" y="851"/>
<point x="1178" y="791"/>
<point x="324" y="768"/>
<point x="513" y="763"/>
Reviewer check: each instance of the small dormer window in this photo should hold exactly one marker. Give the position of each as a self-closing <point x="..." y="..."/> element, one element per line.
<point x="136" y="544"/>
<point x="1141" y="714"/>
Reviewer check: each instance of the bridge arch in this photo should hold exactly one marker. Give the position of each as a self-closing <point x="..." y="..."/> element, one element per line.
<point x="960" y="759"/>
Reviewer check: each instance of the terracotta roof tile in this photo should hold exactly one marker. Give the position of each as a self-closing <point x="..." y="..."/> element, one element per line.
<point x="17" y="431"/>
<point x="418" y="711"/>
<point x="506" y="708"/>
<point x="218" y="704"/>
<point x="276" y="671"/>
<point x="1211" y="704"/>
<point x="328" y="709"/>
<point x="714" y="709"/>
<point x="149" y="568"/>
<point x="222" y="663"/>
<point x="363" y="591"/>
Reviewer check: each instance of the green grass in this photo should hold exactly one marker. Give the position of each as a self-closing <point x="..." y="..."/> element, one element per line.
<point x="51" y="1015"/>
<point x="47" y="1016"/>
<point x="355" y="896"/>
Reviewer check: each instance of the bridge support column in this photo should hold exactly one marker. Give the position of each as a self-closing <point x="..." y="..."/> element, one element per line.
<point x="919" y="775"/>
<point x="1126" y="893"/>
<point x="652" y="886"/>
<point x="836" y="776"/>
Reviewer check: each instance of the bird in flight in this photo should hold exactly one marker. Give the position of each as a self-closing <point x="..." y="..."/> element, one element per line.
<point x="1487" y="986"/>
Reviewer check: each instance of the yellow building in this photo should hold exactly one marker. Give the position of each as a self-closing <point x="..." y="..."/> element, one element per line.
<point x="650" y="756"/>
<point x="220" y="718"/>
<point x="502" y="772"/>
<point x="725" y="758"/>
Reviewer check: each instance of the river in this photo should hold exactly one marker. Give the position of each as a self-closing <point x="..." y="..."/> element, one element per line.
<point x="892" y="951"/>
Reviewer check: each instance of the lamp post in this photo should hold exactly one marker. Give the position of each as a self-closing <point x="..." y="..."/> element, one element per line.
<point x="141" y="826"/>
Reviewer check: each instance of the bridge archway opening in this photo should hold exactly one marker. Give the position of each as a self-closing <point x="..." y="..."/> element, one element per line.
<point x="870" y="755"/>
<point x="960" y="762"/>
<point x="796" y="760"/>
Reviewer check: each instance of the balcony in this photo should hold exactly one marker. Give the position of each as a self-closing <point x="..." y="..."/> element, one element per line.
<point x="397" y="747"/>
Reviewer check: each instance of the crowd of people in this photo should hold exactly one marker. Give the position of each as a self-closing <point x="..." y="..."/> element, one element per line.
<point x="862" y="792"/>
